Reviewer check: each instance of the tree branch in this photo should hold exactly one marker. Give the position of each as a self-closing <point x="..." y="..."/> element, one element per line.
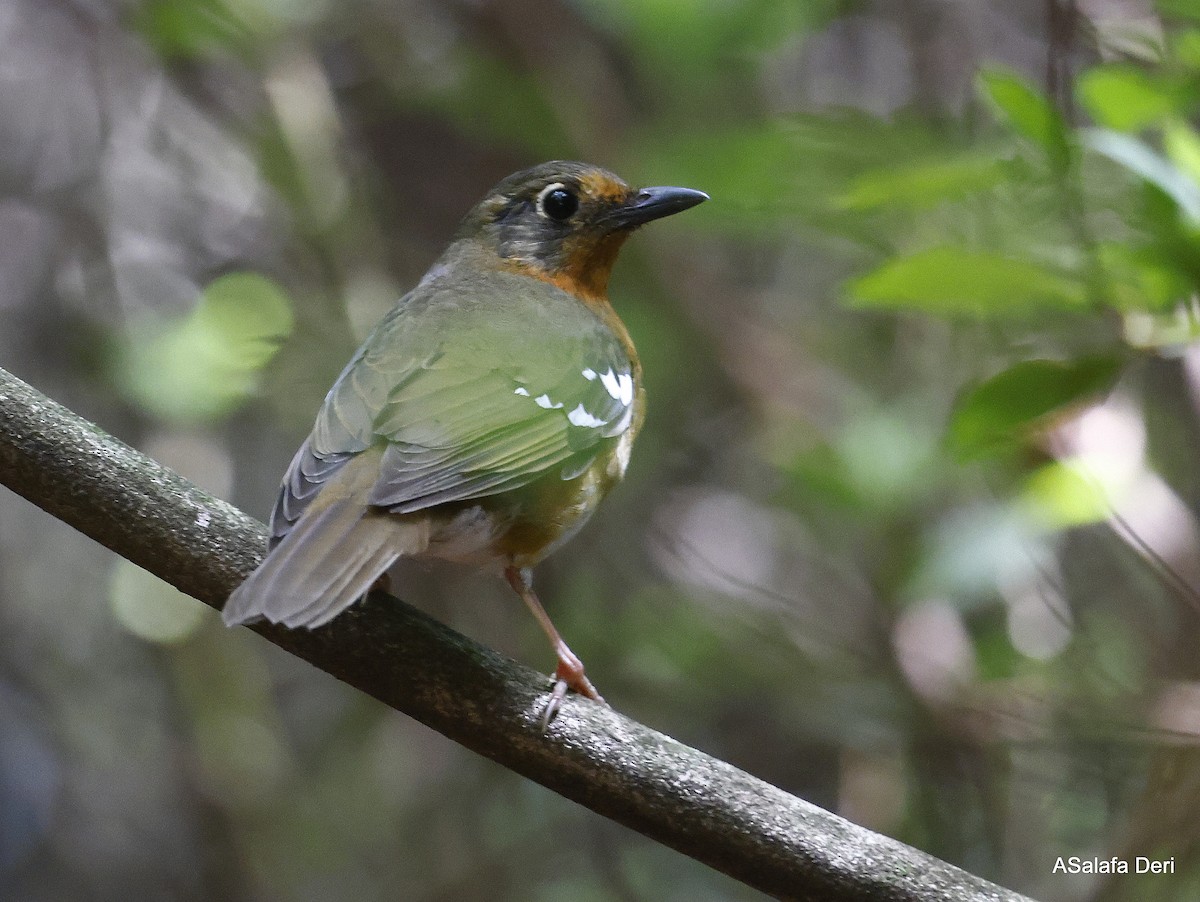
<point x="701" y="806"/>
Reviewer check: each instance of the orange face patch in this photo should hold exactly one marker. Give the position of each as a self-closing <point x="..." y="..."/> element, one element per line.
<point x="603" y="187"/>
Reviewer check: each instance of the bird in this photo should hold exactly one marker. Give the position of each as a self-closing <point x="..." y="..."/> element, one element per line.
<point x="484" y="417"/>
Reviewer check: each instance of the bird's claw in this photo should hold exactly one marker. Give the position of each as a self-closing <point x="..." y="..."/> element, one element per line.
<point x="557" y="694"/>
<point x="562" y="681"/>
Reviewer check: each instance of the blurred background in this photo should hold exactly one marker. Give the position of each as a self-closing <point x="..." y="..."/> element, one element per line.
<point x="911" y="530"/>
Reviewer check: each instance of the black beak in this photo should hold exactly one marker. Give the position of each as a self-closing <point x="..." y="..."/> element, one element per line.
<point x="655" y="203"/>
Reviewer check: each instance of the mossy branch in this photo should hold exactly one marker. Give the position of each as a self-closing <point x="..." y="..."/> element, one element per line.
<point x="701" y="806"/>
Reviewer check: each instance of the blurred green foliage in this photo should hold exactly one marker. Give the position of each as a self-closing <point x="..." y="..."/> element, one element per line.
<point x="1000" y="411"/>
<point x="202" y="365"/>
<point x="911" y="529"/>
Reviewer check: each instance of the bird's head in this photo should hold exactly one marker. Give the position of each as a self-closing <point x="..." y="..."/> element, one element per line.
<point x="564" y="222"/>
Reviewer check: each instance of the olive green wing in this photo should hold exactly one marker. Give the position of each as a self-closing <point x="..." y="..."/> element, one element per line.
<point x="464" y="391"/>
<point x="492" y="415"/>
<point x="473" y="396"/>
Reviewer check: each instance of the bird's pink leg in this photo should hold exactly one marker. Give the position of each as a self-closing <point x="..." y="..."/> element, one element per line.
<point x="569" y="672"/>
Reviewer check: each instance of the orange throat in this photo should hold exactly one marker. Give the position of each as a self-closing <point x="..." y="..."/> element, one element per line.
<point x="588" y="268"/>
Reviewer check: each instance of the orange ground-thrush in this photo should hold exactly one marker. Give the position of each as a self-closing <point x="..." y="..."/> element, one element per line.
<point x="483" y="419"/>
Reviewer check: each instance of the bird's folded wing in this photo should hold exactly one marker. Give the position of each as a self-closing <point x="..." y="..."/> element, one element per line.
<point x="489" y="408"/>
<point x="456" y="433"/>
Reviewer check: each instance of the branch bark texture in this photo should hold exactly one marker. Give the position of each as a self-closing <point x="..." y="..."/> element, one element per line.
<point x="701" y="806"/>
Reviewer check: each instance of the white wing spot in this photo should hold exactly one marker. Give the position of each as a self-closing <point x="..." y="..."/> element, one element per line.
<point x="522" y="391"/>
<point x="619" y="386"/>
<point x="544" y="401"/>
<point x="589" y="374"/>
<point x="610" y="383"/>
<point x="625" y="384"/>
<point x="580" y="417"/>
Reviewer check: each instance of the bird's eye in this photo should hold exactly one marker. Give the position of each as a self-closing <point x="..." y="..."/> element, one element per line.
<point x="557" y="202"/>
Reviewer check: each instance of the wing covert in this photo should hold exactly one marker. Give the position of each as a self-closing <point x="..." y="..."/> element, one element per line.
<point x="475" y="392"/>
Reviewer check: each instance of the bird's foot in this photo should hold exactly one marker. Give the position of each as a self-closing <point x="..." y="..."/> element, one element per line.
<point x="568" y="675"/>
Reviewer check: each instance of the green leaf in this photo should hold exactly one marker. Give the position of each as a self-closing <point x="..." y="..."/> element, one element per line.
<point x="1148" y="165"/>
<point x="203" y="365"/>
<point x="1184" y="9"/>
<point x="925" y="182"/>
<point x="1142" y="279"/>
<point x="248" y="314"/>
<point x="999" y="414"/>
<point x="1027" y="111"/>
<point x="951" y="280"/>
<point x="190" y="28"/>
<point x="1124" y="97"/>
<point x="1182" y="145"/>
<point x="1185" y="47"/>
<point x="1059" y="495"/>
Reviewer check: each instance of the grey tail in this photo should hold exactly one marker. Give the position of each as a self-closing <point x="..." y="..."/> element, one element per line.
<point x="325" y="563"/>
